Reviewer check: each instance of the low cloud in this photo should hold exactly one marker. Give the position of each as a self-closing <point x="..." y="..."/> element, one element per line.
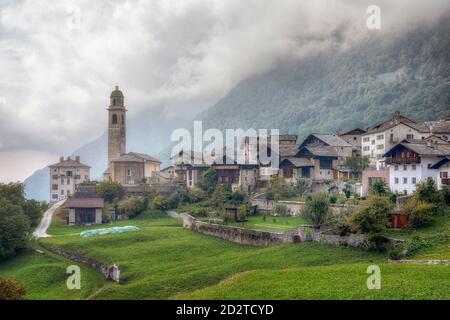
<point x="59" y="60"/>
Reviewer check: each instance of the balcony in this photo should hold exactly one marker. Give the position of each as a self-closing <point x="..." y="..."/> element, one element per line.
<point x="400" y="160"/>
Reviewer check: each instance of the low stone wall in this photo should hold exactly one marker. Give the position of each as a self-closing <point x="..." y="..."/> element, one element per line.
<point x="112" y="272"/>
<point x="294" y="207"/>
<point x="266" y="238"/>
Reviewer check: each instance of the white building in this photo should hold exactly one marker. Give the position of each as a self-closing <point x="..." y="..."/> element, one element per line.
<point x="443" y="176"/>
<point x="65" y="176"/>
<point x="411" y="162"/>
<point x="382" y="137"/>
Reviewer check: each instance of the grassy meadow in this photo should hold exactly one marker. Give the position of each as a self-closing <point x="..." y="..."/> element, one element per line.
<point x="165" y="261"/>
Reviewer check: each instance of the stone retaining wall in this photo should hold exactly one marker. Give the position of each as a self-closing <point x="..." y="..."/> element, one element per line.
<point x="294" y="207"/>
<point x="266" y="238"/>
<point x="112" y="272"/>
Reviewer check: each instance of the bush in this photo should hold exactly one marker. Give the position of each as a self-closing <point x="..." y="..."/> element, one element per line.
<point x="317" y="208"/>
<point x="198" y="195"/>
<point x="238" y="196"/>
<point x="427" y="192"/>
<point x="109" y="190"/>
<point x="371" y="217"/>
<point x="11" y="290"/>
<point x="379" y="188"/>
<point x="160" y="203"/>
<point x="281" y="210"/>
<point x="173" y="201"/>
<point x="419" y="213"/>
<point x="221" y="195"/>
<point x="401" y="250"/>
<point x="133" y="206"/>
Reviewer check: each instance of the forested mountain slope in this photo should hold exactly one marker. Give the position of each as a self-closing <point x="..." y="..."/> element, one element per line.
<point x="341" y="89"/>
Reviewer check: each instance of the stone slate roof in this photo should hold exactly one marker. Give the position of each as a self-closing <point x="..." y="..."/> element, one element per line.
<point x="320" y="151"/>
<point x="396" y="120"/>
<point x="135" y="157"/>
<point x="144" y="156"/>
<point x="299" y="162"/>
<point x="85" y="203"/>
<point x="71" y="163"/>
<point x="439" y="127"/>
<point x="354" y="131"/>
<point x="422" y="148"/>
<point x="332" y="140"/>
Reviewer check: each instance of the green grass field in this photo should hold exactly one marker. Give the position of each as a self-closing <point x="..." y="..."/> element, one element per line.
<point x="165" y="261"/>
<point x="277" y="224"/>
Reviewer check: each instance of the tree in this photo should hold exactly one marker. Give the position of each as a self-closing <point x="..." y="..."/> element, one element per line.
<point x="372" y="216"/>
<point x="356" y="164"/>
<point x="14" y="192"/>
<point x="317" y="208"/>
<point x="33" y="210"/>
<point x="209" y="180"/>
<point x="110" y="190"/>
<point x="14" y="229"/>
<point x="379" y="188"/>
<point x="11" y="290"/>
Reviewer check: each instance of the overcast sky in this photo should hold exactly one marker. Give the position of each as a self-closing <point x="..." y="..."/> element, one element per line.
<point x="59" y="60"/>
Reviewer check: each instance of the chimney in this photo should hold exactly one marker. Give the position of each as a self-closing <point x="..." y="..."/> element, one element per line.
<point x="77" y="159"/>
<point x="61" y="159"/>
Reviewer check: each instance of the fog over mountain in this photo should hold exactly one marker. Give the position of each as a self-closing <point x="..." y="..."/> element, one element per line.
<point x="175" y="58"/>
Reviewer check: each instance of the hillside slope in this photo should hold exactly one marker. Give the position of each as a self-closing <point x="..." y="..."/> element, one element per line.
<point x="337" y="90"/>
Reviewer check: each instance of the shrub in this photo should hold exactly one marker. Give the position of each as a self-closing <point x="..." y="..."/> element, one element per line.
<point x="109" y="190"/>
<point x="173" y="201"/>
<point x="427" y="192"/>
<point x="371" y="217"/>
<point x="199" y="212"/>
<point x="133" y="206"/>
<point x="198" y="195"/>
<point x="238" y="196"/>
<point x="227" y="217"/>
<point x="281" y="210"/>
<point x="11" y="290"/>
<point x="445" y="194"/>
<point x="419" y="213"/>
<point x="160" y="203"/>
<point x="317" y="208"/>
<point x="221" y="195"/>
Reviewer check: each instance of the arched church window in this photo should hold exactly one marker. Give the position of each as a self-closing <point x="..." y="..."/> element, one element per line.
<point x="114" y="101"/>
<point x="114" y="119"/>
<point x="123" y="119"/>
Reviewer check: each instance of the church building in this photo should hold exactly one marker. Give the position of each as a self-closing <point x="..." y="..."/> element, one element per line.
<point x="126" y="168"/>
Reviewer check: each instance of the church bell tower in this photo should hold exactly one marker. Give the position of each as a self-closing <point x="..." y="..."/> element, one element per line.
<point x="116" y="126"/>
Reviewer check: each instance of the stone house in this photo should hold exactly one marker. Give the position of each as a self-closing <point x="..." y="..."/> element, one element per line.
<point x="134" y="168"/>
<point x="353" y="137"/>
<point x="85" y="211"/>
<point x="293" y="169"/>
<point x="65" y="176"/>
